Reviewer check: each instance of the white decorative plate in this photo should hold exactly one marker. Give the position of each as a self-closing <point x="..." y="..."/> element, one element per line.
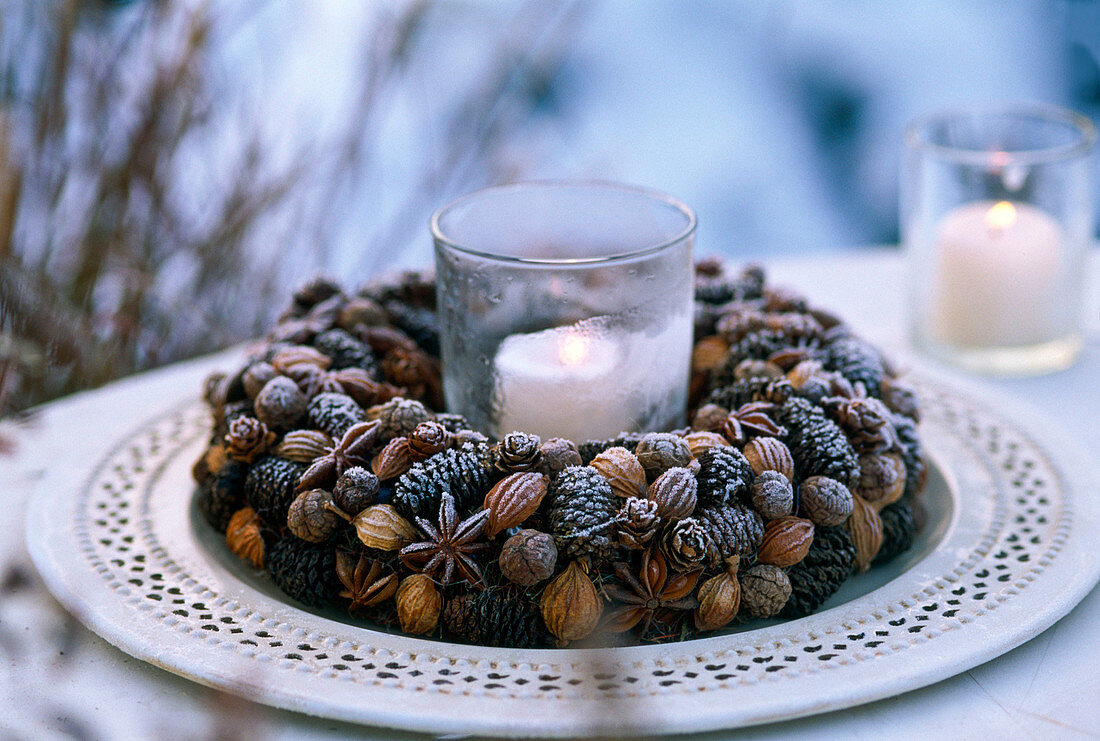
<point x="1009" y="549"/>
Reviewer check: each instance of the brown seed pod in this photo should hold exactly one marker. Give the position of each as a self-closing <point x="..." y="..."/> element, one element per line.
<point x="570" y="605"/>
<point x="304" y="446"/>
<point x="419" y="604"/>
<point x="675" y="492"/>
<point x="719" y="599"/>
<point x="756" y="369"/>
<point x="528" y="557"/>
<point x="660" y="451"/>
<point x="243" y="536"/>
<point x="765" y="590"/>
<point x="256" y="377"/>
<point x="623" y="471"/>
<point x="379" y="526"/>
<point x="827" y="502"/>
<point x="708" y="354"/>
<point x="393" y="460"/>
<point x="300" y="355"/>
<point x="772" y="495"/>
<point x="881" y="478"/>
<point x="280" y="403"/>
<point x="312" y="516"/>
<point x="701" y="441"/>
<point x="428" y="439"/>
<point x="709" y="418"/>
<point x="556" y="455"/>
<point x="513" y="499"/>
<point x="865" y="526"/>
<point x="786" y="541"/>
<point x="769" y="454"/>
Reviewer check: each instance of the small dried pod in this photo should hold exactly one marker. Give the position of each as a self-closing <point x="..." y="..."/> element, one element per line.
<point x="827" y="502"/>
<point x="865" y="527"/>
<point x="570" y="605"/>
<point x="756" y="369"/>
<point x="428" y="439"/>
<point x="804" y="372"/>
<point x="709" y="353"/>
<point x="556" y="455"/>
<point x="769" y="454"/>
<point x="709" y="417"/>
<point x="660" y="451"/>
<point x="637" y="523"/>
<point x="676" y="492"/>
<point x="513" y="499"/>
<point x="702" y="441"/>
<point x="300" y="355"/>
<point x="243" y="536"/>
<point x="786" y="542"/>
<point x="380" y="526"/>
<point x="772" y="495"/>
<point x="312" y="516"/>
<point x="355" y="490"/>
<point x="280" y="403"/>
<point x="765" y="590"/>
<point x="623" y="471"/>
<point x="393" y="460"/>
<point x="256" y="376"/>
<point x="719" y="599"/>
<point x="881" y="478"/>
<point x="528" y="557"/>
<point x="419" y="604"/>
<point x="304" y="446"/>
<point x="361" y="311"/>
<point x="248" y="438"/>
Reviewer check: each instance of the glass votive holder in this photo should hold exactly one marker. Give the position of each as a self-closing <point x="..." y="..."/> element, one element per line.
<point x="996" y="218"/>
<point x="565" y="308"/>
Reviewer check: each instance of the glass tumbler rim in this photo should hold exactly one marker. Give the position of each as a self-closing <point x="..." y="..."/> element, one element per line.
<point x="611" y="186"/>
<point x="916" y="134"/>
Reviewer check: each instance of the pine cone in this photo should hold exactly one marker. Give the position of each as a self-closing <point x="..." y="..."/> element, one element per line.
<point x="724" y="477"/>
<point x="734" y="394"/>
<point x="589" y="449"/>
<point x="518" y="452"/>
<point x="856" y="360"/>
<point x="817" y="577"/>
<point x="304" y="571"/>
<point x="334" y="413"/>
<point x="419" y="491"/>
<point x="908" y="440"/>
<point x="398" y="417"/>
<point x="898" y="529"/>
<point x="582" y="511"/>
<point x="494" y="619"/>
<point x="819" y="446"/>
<point x="345" y="351"/>
<point x="418" y="323"/>
<point x="270" y="488"/>
<point x="222" y="494"/>
<point x="685" y="544"/>
<point x="453" y="422"/>
<point x="734" y="530"/>
<point x="637" y="522"/>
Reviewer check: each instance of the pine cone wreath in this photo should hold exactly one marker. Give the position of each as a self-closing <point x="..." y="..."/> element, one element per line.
<point x="817" y="577"/>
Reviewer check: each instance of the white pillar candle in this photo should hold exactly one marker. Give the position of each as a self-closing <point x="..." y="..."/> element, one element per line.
<point x="996" y="272"/>
<point x="562" y="382"/>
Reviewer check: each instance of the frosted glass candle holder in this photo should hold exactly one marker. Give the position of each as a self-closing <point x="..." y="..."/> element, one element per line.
<point x="565" y="308"/>
<point x="997" y="218"/>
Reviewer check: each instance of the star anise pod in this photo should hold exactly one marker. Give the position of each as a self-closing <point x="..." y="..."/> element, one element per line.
<point x="355" y="382"/>
<point x="450" y="546"/>
<point x="352" y="450"/>
<point x="649" y="593"/>
<point x="363" y="581"/>
<point x="749" y="421"/>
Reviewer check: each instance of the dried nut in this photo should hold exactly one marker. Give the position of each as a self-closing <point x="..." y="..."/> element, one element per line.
<point x="243" y="536"/>
<point x="865" y="526"/>
<point x="719" y="600"/>
<point x="528" y="557"/>
<point x="280" y="403"/>
<point x="419" y="604"/>
<point x="379" y="526"/>
<point x="513" y="499"/>
<point x="804" y="372"/>
<point x="709" y="417"/>
<point x="428" y="439"/>
<point x="300" y="354"/>
<point x="660" y="451"/>
<point x="556" y="455"/>
<point x="570" y="605"/>
<point x="256" y="377"/>
<point x="214" y="458"/>
<point x="769" y="454"/>
<point x="765" y="590"/>
<point x="881" y="478"/>
<point x="355" y="490"/>
<point x="772" y="495"/>
<point x="623" y="471"/>
<point x="361" y="311"/>
<point x="827" y="501"/>
<point x="393" y="460"/>
<point x="675" y="492"/>
<point x="786" y="541"/>
<point x="701" y="441"/>
<point x="708" y="354"/>
<point x="304" y="446"/>
<point x="756" y="369"/>
<point x="312" y="516"/>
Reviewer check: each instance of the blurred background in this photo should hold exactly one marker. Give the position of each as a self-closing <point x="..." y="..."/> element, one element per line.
<point x="170" y="170"/>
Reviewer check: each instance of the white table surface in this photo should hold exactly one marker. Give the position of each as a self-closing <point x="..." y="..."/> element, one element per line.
<point x="59" y="680"/>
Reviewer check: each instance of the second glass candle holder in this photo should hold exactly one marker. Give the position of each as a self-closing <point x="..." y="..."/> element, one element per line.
<point x="565" y="308"/>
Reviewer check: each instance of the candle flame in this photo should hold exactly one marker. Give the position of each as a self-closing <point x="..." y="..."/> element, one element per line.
<point x="572" y="349"/>
<point x="1001" y="215"/>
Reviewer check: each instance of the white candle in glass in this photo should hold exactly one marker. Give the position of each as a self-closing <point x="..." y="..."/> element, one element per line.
<point x="996" y="274"/>
<point x="561" y="382"/>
